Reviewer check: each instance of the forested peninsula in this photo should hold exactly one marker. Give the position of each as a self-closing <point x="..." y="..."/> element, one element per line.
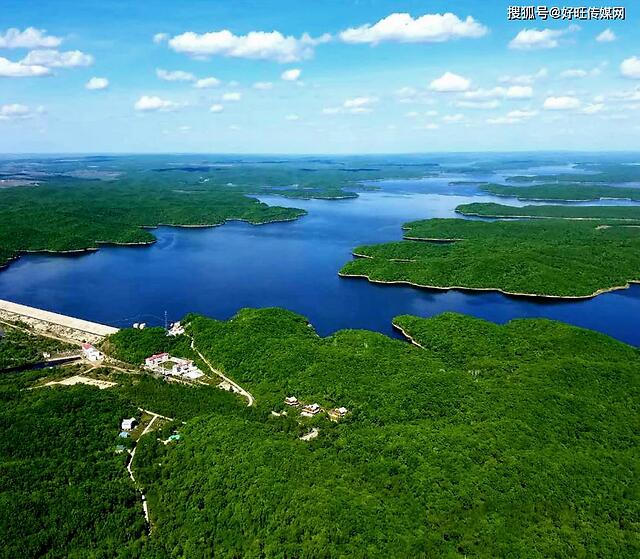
<point x="544" y="258"/>
<point x="476" y="440"/>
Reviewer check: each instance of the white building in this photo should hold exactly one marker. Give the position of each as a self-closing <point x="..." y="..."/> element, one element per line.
<point x="128" y="424"/>
<point x="156" y="359"/>
<point x="91" y="353"/>
<point x="311" y="410"/>
<point x="291" y="401"/>
<point x="176" y="329"/>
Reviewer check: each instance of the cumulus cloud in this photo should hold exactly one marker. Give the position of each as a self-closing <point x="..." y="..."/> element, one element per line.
<point x="56" y="59"/>
<point x="160" y="38"/>
<point x="291" y="75"/>
<point x="494" y="104"/>
<point x="263" y="85"/>
<point x="533" y="39"/>
<point x="207" y="83"/>
<point x="607" y="36"/>
<point x="10" y="69"/>
<point x="525" y="79"/>
<point x="232" y="96"/>
<point x="150" y="103"/>
<point x="513" y="117"/>
<point x="174" y="75"/>
<point x="593" y="108"/>
<point x="402" y="28"/>
<point x="450" y="82"/>
<point x="257" y="45"/>
<point x="563" y="103"/>
<point x="453" y="118"/>
<point x="30" y="38"/>
<point x="97" y="84"/>
<point x="355" y="105"/>
<point x="630" y="68"/>
<point x="511" y="92"/>
<point x="17" y="111"/>
<point x="216" y="108"/>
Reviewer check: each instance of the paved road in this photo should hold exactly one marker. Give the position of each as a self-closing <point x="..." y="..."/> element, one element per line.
<point x="235" y="385"/>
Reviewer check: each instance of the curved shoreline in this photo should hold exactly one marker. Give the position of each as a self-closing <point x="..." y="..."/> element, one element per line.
<point x="81" y="251"/>
<point x="494" y="289"/>
<point x="475" y="214"/>
<point x="406" y="335"/>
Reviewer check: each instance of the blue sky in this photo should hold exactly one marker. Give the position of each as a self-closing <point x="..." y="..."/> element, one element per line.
<point x="318" y="76"/>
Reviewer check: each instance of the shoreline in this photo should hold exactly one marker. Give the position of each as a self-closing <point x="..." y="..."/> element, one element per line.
<point x="407" y="336"/>
<point x="475" y="214"/>
<point x="80" y="251"/>
<point x="494" y="289"/>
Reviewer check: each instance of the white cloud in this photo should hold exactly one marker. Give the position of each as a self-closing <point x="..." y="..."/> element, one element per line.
<point x="494" y="104"/>
<point x="291" y="75"/>
<point x="533" y="39"/>
<point x="160" y="38"/>
<point x="97" y="84"/>
<point x="263" y="85"/>
<point x="207" y="83"/>
<point x="628" y="96"/>
<point x="56" y="59"/>
<point x="412" y="114"/>
<point x="232" y="96"/>
<point x="450" y="82"/>
<point x="607" y="36"/>
<point x="574" y="73"/>
<point x="359" y="102"/>
<point x="184" y="128"/>
<point x="427" y="126"/>
<point x="402" y="28"/>
<point x="30" y="38"/>
<point x="292" y="117"/>
<point x="593" y="108"/>
<point x="630" y="68"/>
<point x="17" y="111"/>
<point x="9" y="69"/>
<point x="258" y="45"/>
<point x="216" y="108"/>
<point x="513" y="117"/>
<point x="453" y="118"/>
<point x="511" y="92"/>
<point x="148" y="103"/>
<point x="563" y="103"/>
<point x="525" y="79"/>
<point x="175" y="75"/>
<point x="355" y="105"/>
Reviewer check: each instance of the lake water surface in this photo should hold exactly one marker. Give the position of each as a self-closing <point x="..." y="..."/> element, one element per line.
<point x="217" y="271"/>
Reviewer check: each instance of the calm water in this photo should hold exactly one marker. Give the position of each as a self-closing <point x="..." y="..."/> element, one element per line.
<point x="293" y="265"/>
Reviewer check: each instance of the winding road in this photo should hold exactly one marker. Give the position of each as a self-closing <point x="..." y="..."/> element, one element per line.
<point x="236" y="387"/>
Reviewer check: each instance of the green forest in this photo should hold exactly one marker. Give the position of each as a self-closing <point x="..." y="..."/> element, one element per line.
<point x="477" y="440"/>
<point x="551" y="257"/>
<point x="627" y="213"/>
<point x="563" y="191"/>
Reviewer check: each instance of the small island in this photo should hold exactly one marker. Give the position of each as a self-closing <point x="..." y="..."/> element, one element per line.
<point x="568" y="192"/>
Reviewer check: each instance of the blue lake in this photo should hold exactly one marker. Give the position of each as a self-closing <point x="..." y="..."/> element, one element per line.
<point x="217" y="271"/>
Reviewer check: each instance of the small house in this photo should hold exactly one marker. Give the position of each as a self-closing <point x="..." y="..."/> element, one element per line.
<point x="129" y="424"/>
<point x="176" y="329"/>
<point x="91" y="353"/>
<point x="123" y="435"/>
<point x="291" y="401"/>
<point x="120" y="449"/>
<point x="311" y="409"/>
<point x="341" y="411"/>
